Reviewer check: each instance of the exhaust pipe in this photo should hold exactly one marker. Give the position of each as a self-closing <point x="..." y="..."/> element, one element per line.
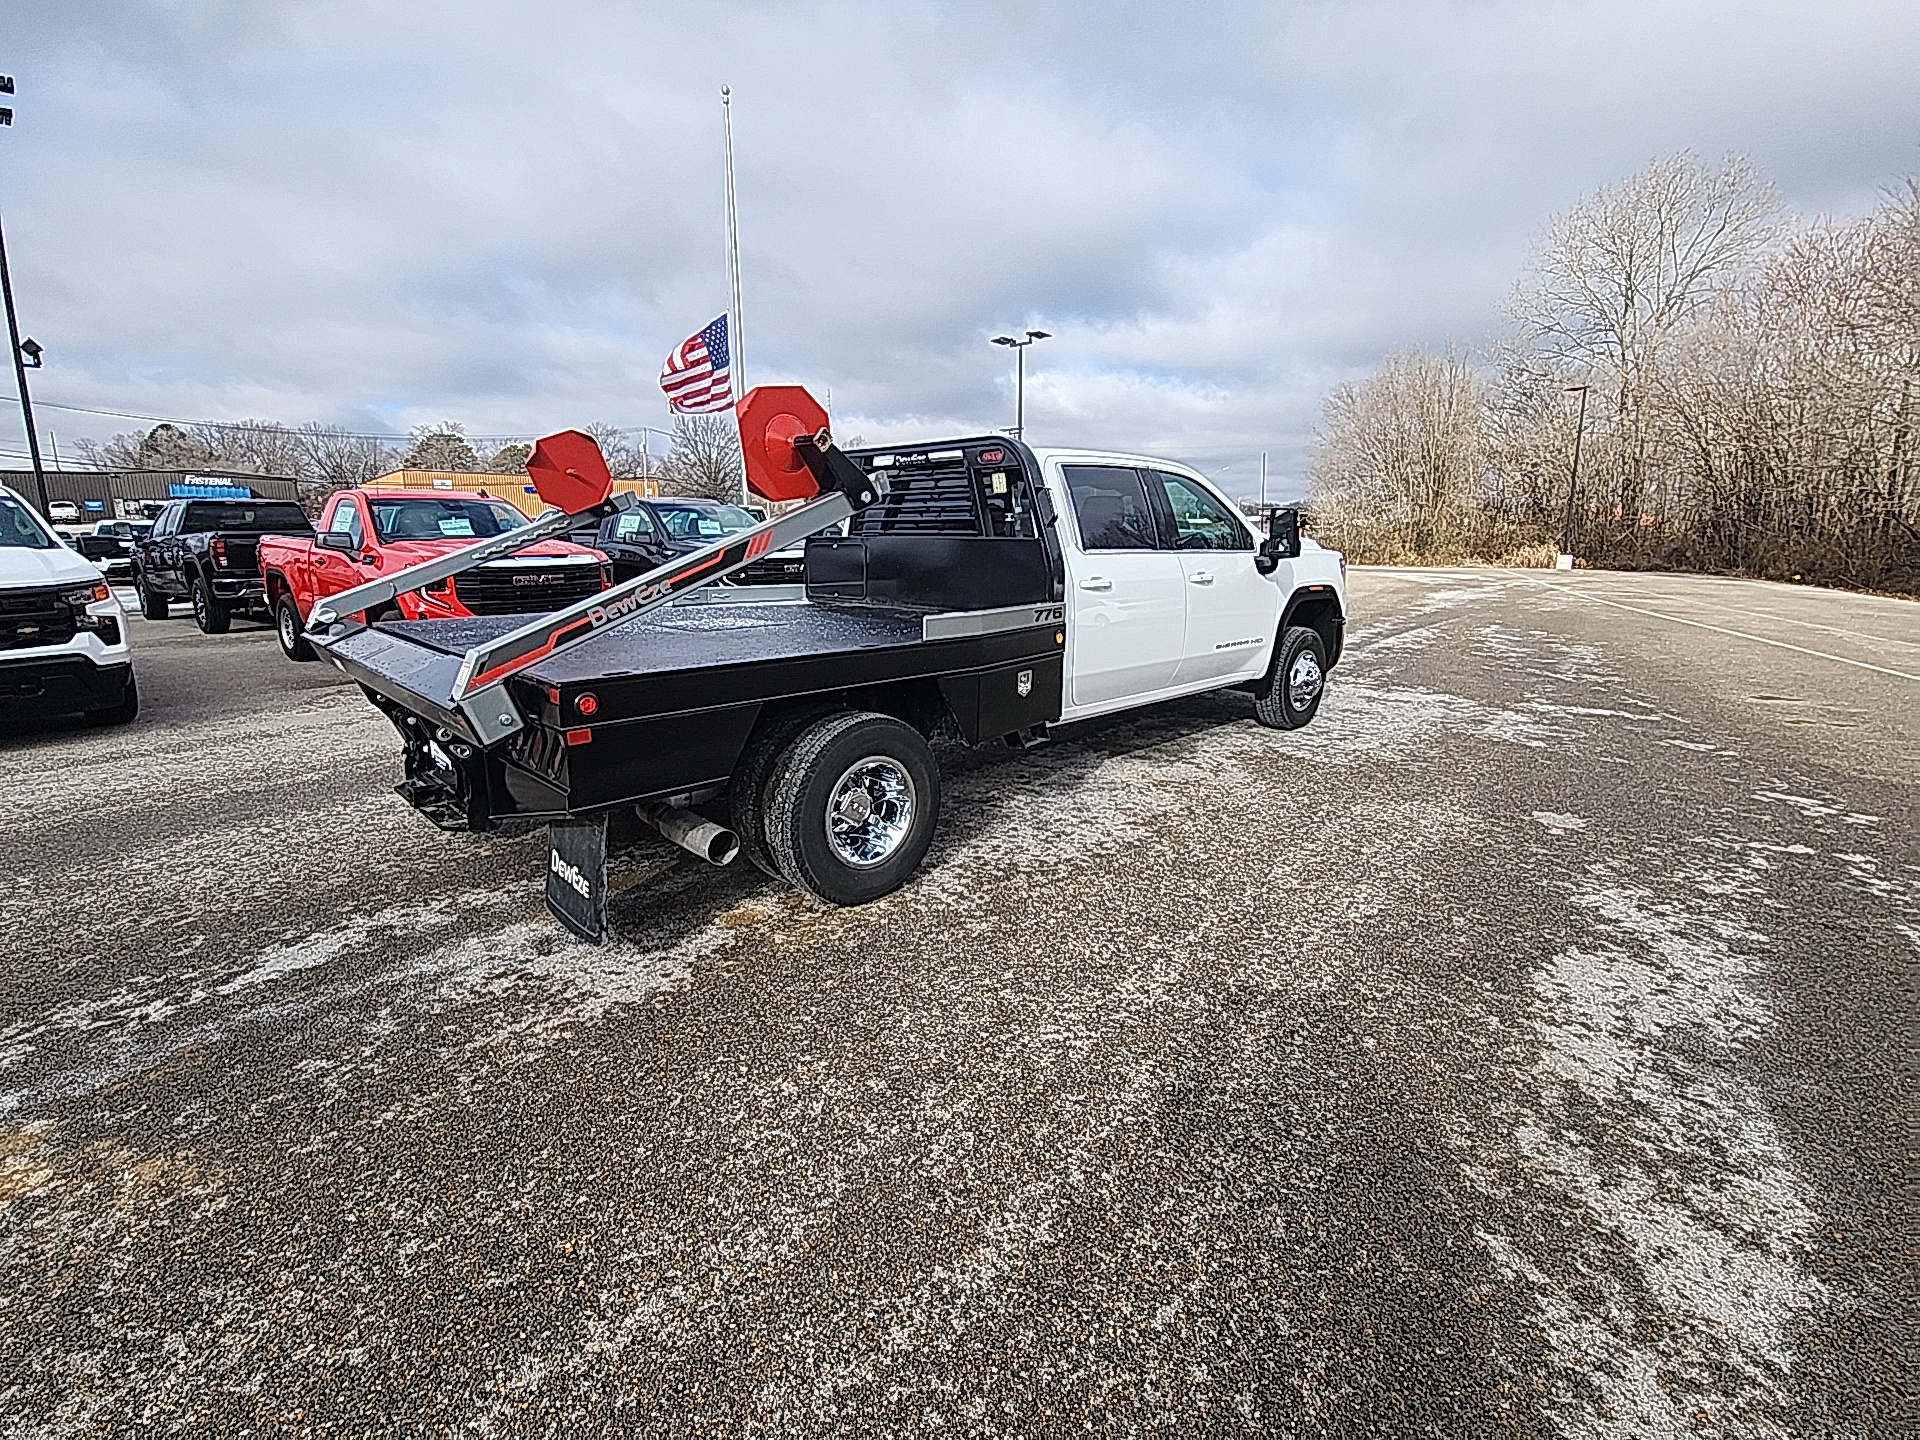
<point x="713" y="843"/>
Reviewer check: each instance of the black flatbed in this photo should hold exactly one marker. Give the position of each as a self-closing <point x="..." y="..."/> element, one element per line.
<point x="687" y="637"/>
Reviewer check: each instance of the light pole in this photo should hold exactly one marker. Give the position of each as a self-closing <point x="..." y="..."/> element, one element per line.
<point x="1565" y="559"/>
<point x="25" y="353"/>
<point x="1019" y="348"/>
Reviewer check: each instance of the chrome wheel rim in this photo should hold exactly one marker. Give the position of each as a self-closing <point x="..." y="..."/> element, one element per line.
<point x="1303" y="680"/>
<point x="199" y="601"/>
<point x="288" y="635"/>
<point x="870" y="811"/>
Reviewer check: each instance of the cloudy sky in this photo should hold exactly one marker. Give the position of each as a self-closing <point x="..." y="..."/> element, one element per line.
<point x="505" y="214"/>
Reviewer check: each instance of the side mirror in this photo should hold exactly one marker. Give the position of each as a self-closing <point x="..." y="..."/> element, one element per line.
<point x="334" y="540"/>
<point x="1282" y="542"/>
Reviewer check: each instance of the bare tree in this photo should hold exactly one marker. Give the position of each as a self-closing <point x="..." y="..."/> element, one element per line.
<point x="256" y="447"/>
<point x="1616" y="276"/>
<point x="1758" y="408"/>
<point x="1403" y="455"/>
<point x="119" y="452"/>
<point x="705" y="459"/>
<point x="333" y="459"/>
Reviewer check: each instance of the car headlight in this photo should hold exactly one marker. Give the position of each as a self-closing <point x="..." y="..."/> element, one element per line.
<point x="87" y="595"/>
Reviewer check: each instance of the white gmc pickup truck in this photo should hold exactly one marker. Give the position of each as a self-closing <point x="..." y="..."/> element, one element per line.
<point x="972" y="590"/>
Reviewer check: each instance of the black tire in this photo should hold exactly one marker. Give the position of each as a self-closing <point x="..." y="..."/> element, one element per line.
<point x="747" y="792"/>
<point x="293" y="637"/>
<point x="810" y="776"/>
<point x="152" y="606"/>
<point x="122" y="713"/>
<point x="210" y="612"/>
<point x="1289" y="694"/>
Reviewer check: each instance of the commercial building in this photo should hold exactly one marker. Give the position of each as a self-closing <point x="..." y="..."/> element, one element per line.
<point x="79" y="497"/>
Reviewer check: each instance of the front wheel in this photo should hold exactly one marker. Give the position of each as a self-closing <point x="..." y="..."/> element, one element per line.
<point x="210" y="612"/>
<point x="1288" y="696"/>
<point x="851" y="809"/>
<point x="153" y="606"/>
<point x="122" y="713"/>
<point x="286" y="624"/>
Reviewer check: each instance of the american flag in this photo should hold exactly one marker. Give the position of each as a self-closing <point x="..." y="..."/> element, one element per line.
<point x="698" y="377"/>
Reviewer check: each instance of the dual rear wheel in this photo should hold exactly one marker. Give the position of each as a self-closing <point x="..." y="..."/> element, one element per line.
<point x="841" y="803"/>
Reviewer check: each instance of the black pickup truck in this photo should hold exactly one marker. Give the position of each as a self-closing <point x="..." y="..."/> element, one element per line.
<point x="655" y="531"/>
<point x="206" y="552"/>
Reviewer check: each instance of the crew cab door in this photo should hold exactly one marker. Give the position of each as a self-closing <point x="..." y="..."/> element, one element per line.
<point x="161" y="564"/>
<point x="633" y="541"/>
<point x="1126" y="590"/>
<point x="1232" y="609"/>
<point x="337" y="570"/>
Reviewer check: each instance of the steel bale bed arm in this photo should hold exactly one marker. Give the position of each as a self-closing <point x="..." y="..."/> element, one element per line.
<point x="477" y="694"/>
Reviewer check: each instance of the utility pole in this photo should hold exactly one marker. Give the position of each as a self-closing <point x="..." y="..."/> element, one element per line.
<point x="1564" y="561"/>
<point x="1263" y="479"/>
<point x="24" y="353"/>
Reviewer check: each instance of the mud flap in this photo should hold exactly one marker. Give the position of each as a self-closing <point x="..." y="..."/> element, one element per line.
<point x="577" y="876"/>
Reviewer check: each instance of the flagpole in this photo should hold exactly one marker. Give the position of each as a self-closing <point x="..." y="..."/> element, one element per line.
<point x="736" y="340"/>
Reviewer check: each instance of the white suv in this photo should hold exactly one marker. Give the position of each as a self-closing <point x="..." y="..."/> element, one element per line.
<point x="63" y="636"/>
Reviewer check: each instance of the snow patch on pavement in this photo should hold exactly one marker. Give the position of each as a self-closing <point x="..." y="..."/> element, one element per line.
<point x="1670" y="1287"/>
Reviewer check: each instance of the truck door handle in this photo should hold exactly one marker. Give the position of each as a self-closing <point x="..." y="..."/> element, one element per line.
<point x="1201" y="577"/>
<point x="1096" y="582"/>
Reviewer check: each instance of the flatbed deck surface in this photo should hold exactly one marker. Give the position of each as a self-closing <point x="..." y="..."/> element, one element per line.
<point x="688" y="637"/>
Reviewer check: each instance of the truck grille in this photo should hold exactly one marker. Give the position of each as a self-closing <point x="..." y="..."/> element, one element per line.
<point x="34" y="617"/>
<point x="773" y="570"/>
<point x="525" y="589"/>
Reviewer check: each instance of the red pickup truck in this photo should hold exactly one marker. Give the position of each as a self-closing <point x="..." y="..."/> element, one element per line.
<point x="365" y="533"/>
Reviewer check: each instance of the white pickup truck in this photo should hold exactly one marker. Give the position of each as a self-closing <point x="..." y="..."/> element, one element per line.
<point x="63" y="635"/>
<point x="981" y="592"/>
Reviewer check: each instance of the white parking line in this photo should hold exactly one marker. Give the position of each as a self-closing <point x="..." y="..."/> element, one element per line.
<point x="1723" y="630"/>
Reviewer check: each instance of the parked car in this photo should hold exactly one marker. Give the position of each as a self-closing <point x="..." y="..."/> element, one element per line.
<point x="656" y="530"/>
<point x="63" y="636"/>
<point x="206" y="552"/>
<point x="364" y="533"/>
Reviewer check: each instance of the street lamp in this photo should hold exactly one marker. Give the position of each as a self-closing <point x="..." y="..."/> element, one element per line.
<point x="1564" y="561"/>
<point x="1019" y="348"/>
<point x="22" y="355"/>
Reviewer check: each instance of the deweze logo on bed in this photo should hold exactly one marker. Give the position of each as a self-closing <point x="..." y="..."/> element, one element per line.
<point x="569" y="873"/>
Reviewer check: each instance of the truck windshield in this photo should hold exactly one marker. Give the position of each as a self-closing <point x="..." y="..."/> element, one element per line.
<point x="257" y="517"/>
<point x="443" y="519"/>
<point x="701" y="522"/>
<point x="20" y="528"/>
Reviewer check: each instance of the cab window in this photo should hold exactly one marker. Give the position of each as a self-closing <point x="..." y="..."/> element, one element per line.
<point x="1200" y="522"/>
<point x="346" y="521"/>
<point x="633" y="527"/>
<point x="1111" y="506"/>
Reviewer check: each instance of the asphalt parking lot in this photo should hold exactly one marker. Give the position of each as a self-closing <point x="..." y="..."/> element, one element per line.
<point x="1524" y="1048"/>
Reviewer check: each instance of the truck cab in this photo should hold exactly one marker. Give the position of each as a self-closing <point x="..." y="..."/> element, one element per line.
<point x="1166" y="592"/>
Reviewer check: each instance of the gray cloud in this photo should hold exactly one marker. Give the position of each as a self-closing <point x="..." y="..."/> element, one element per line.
<point x="507" y="214"/>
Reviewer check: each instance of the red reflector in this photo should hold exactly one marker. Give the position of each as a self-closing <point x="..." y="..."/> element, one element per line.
<point x="992" y="457"/>
<point x="553" y="696"/>
<point x="582" y="736"/>
<point x="586" y="704"/>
